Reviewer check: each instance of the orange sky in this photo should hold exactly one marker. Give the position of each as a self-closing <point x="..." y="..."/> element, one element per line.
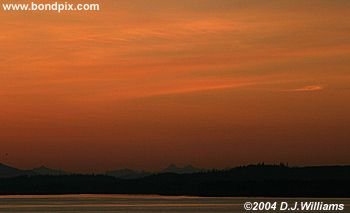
<point x="142" y="84"/>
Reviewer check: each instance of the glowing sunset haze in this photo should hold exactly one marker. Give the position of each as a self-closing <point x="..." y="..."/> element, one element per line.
<point x="142" y="84"/>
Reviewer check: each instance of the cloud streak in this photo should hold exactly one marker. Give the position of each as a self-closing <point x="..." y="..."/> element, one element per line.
<point x="310" y="88"/>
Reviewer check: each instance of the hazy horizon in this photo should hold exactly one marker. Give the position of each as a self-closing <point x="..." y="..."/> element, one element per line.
<point x="161" y="169"/>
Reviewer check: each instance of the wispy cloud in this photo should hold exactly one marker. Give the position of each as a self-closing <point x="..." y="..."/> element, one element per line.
<point x="309" y="88"/>
<point x="200" y="88"/>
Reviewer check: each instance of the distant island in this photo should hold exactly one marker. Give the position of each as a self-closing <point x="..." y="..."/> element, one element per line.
<point x="245" y="181"/>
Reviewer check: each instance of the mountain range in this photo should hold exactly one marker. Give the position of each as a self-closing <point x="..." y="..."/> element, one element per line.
<point x="7" y="171"/>
<point x="246" y="181"/>
<point x="189" y="169"/>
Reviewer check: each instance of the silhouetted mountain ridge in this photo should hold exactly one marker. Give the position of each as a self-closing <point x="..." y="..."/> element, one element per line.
<point x="250" y="172"/>
<point x="127" y="174"/>
<point x="189" y="169"/>
<point x="48" y="171"/>
<point x="133" y="174"/>
<point x="9" y="171"/>
<point x="252" y="180"/>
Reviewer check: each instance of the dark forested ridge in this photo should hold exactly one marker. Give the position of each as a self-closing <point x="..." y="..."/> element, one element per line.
<point x="254" y="180"/>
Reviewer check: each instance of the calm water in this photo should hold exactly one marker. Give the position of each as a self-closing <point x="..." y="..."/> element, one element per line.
<point x="133" y="204"/>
